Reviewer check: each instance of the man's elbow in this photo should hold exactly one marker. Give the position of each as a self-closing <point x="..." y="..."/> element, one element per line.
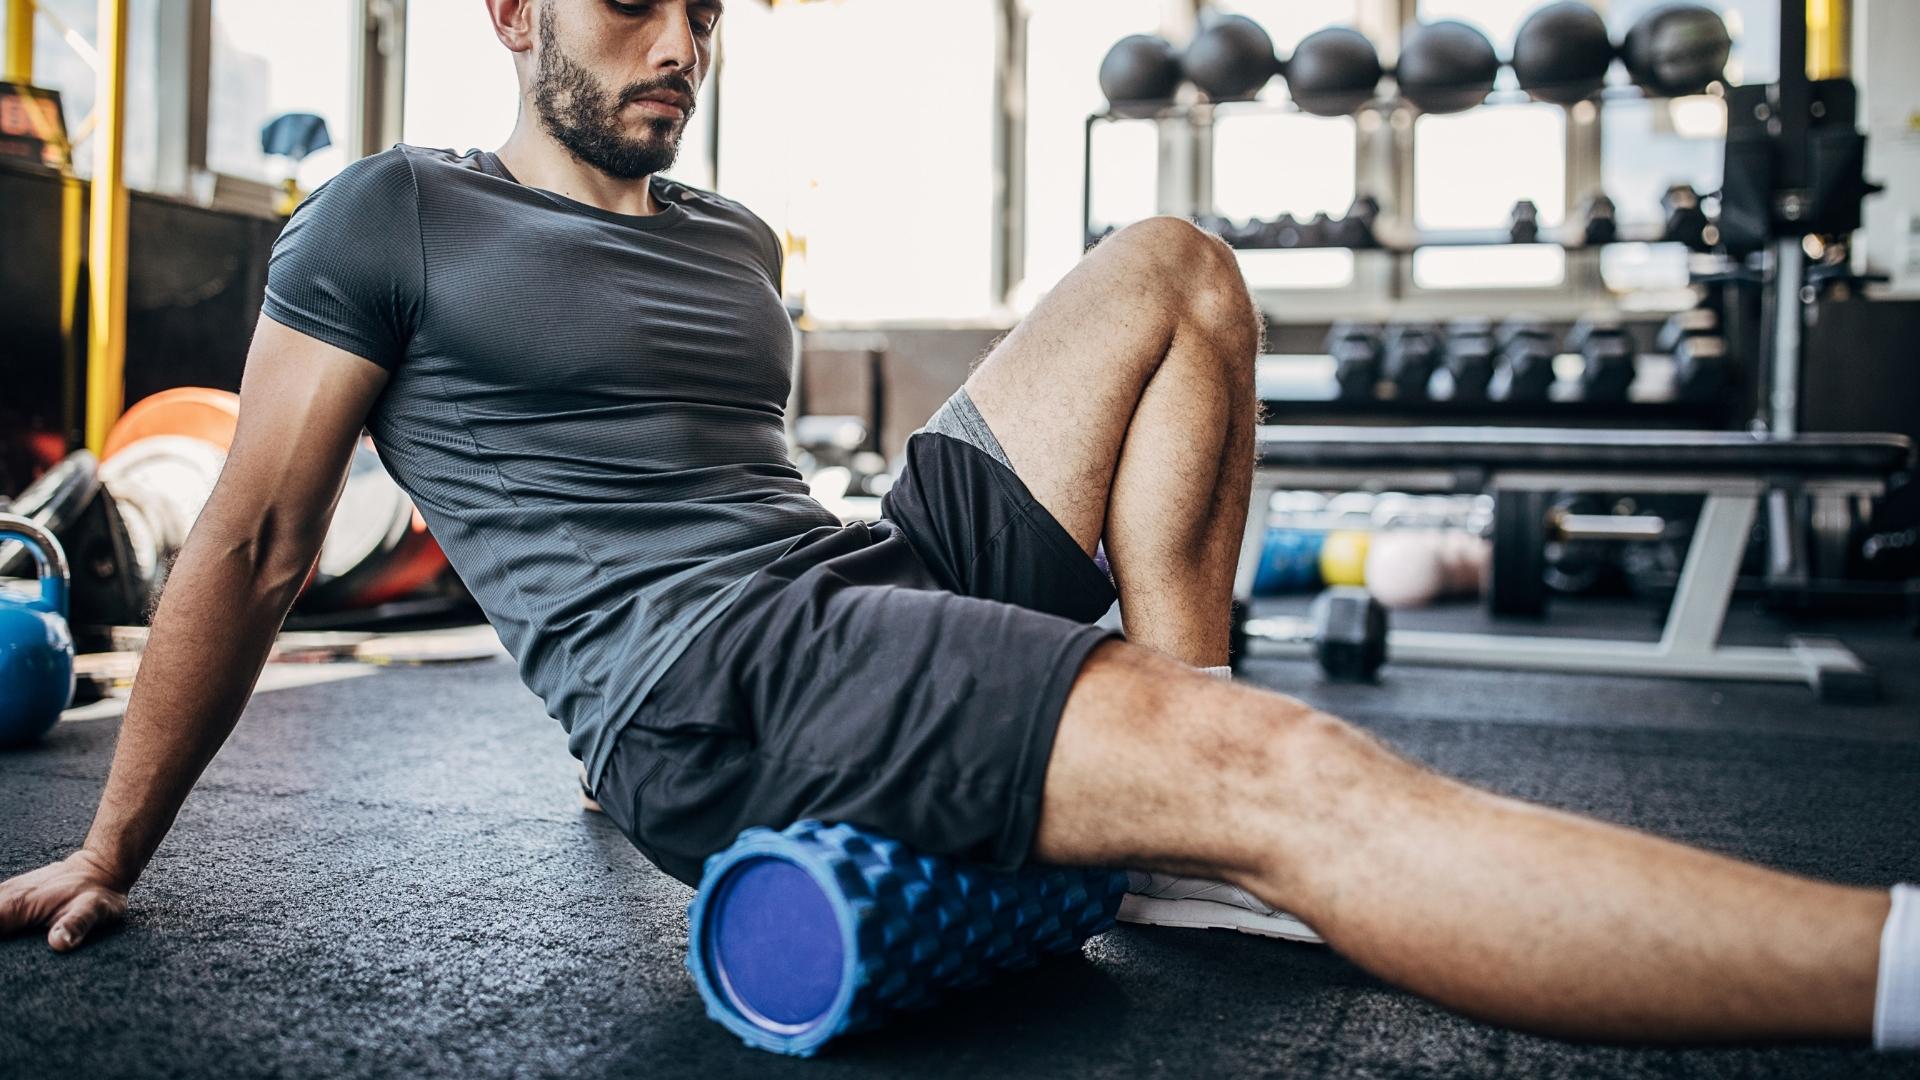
<point x="273" y="548"/>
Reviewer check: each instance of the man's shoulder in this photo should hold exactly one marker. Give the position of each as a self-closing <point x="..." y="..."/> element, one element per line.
<point x="730" y="210"/>
<point x="716" y="203"/>
<point x="376" y="175"/>
<point x="412" y="165"/>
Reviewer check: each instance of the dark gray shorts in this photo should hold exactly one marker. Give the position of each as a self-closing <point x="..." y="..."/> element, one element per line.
<point x="905" y="676"/>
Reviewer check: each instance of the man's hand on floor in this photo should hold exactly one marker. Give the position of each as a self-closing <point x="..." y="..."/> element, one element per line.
<point x="71" y="898"/>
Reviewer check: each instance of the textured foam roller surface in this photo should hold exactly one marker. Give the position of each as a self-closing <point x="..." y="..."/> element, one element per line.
<point x="800" y="936"/>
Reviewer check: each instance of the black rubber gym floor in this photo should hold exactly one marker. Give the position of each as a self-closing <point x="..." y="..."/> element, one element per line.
<point x="387" y="876"/>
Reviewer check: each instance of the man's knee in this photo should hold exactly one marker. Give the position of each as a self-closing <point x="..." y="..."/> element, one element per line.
<point x="1199" y="277"/>
<point x="1159" y="764"/>
<point x="1177" y="253"/>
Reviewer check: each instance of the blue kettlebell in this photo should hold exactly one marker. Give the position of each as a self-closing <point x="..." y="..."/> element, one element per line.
<point x="36" y="649"/>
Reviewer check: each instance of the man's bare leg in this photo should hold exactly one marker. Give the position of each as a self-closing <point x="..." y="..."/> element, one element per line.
<point x="1509" y="912"/>
<point x="1125" y="401"/>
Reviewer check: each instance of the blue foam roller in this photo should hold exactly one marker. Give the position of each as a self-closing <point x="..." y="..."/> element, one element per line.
<point x="800" y="936"/>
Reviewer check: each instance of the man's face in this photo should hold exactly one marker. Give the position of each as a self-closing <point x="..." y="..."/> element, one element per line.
<point x="615" y="82"/>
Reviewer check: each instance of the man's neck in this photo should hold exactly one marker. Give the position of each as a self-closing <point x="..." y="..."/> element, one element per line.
<point x="536" y="160"/>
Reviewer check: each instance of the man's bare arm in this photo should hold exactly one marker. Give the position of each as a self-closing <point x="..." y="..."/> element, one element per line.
<point x="302" y="404"/>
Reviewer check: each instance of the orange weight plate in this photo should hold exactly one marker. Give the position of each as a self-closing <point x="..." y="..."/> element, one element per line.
<point x="196" y="412"/>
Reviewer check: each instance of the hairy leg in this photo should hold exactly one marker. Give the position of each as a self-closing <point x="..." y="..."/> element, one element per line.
<point x="1125" y="401"/>
<point x="1502" y="910"/>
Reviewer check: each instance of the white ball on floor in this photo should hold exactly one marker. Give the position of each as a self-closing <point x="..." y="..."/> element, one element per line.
<point x="1404" y="567"/>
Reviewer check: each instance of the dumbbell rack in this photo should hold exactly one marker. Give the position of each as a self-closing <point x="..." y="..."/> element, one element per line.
<point x="1385" y="263"/>
<point x="1401" y="238"/>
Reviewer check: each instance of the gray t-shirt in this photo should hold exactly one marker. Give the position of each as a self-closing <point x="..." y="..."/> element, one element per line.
<point x="587" y="406"/>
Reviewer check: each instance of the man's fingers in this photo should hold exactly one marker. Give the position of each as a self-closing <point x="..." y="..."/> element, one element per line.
<point x="80" y="917"/>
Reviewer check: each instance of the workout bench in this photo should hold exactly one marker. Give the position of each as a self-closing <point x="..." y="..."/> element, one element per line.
<point x="1523" y="468"/>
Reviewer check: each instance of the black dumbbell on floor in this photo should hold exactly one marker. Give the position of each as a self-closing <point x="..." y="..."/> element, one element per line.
<point x="1345" y="633"/>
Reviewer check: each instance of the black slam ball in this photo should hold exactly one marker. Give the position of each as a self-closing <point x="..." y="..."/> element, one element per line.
<point x="1562" y="53"/>
<point x="1677" y="49"/>
<point x="1140" y="69"/>
<point x="1231" y="58"/>
<point x="1446" y="67"/>
<point x="1333" y="72"/>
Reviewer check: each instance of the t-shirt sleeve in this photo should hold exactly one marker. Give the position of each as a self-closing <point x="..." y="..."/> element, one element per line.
<point x="348" y="268"/>
<point x="779" y="257"/>
<point x="775" y="255"/>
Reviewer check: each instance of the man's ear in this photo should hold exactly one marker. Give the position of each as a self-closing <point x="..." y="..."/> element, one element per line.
<point x="515" y="22"/>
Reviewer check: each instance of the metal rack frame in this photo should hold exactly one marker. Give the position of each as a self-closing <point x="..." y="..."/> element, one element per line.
<point x="1690" y="645"/>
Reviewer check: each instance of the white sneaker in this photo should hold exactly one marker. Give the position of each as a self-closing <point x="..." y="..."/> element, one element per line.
<point x="1196" y="903"/>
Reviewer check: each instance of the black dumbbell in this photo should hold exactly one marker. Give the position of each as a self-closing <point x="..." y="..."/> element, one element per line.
<point x="1219" y="226"/>
<point x="1412" y="353"/>
<point x="1523" y="222"/>
<point x="1281" y="232"/>
<point x="1469" y="358"/>
<point x="1599" y="224"/>
<point x="1685" y="220"/>
<point x="1694" y="322"/>
<point x="1609" y="368"/>
<point x="1526" y="360"/>
<point x="1345" y="632"/>
<point x="1701" y="370"/>
<point x="1514" y="328"/>
<point x="1317" y="231"/>
<point x="1250" y="233"/>
<point x="1355" y="348"/>
<point x="1355" y="228"/>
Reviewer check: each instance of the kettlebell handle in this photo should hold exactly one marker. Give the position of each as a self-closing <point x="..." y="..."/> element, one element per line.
<point x="51" y="557"/>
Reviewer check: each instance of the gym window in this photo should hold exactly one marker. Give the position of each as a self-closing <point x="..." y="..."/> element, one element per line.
<point x="461" y="90"/>
<point x="884" y="167"/>
<point x="270" y="59"/>
<point x="1065" y="41"/>
<point x="1469" y="169"/>
<point x="64" y="61"/>
<point x="1266" y="164"/>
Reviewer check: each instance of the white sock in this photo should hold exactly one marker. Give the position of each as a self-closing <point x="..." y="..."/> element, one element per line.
<point x="1222" y="672"/>
<point x="1896" y="1005"/>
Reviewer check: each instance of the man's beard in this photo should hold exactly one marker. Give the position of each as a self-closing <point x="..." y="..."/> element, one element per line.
<point x="586" y="119"/>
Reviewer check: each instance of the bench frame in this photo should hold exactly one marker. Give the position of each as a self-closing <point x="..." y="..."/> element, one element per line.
<point x="1689" y="646"/>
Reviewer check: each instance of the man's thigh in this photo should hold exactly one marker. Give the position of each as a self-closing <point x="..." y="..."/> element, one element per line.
<point x="829" y="694"/>
<point x="980" y="532"/>
<point x="1060" y="390"/>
